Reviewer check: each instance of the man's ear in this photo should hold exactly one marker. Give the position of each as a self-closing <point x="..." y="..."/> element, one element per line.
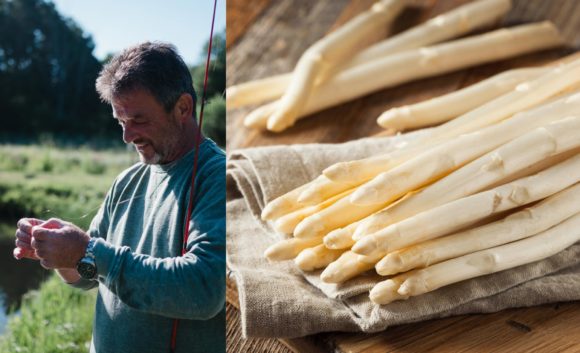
<point x="184" y="107"/>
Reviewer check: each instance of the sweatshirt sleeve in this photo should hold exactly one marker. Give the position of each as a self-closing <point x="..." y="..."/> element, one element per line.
<point x="191" y="286"/>
<point x="98" y="228"/>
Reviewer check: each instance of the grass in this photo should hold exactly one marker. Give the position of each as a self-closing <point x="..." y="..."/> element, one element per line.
<point x="54" y="319"/>
<point x="44" y="182"/>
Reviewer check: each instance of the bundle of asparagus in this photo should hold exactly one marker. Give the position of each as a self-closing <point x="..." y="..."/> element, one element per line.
<point x="494" y="188"/>
<point x="338" y="67"/>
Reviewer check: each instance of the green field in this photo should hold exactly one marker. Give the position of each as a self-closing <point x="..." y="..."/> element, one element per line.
<point x="44" y="182"/>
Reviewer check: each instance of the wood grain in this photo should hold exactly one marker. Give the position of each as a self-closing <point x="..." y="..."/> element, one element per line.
<point x="240" y="15"/>
<point x="272" y="44"/>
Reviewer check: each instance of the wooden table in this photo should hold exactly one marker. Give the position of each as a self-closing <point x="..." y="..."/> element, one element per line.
<point x="267" y="37"/>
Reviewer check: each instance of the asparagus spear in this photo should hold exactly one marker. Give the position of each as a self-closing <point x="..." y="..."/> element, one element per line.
<point x="287" y="223"/>
<point x="316" y="258"/>
<point x="319" y="61"/>
<point x="424" y="62"/>
<point x="286" y="203"/>
<point x="526" y="96"/>
<point x="288" y="248"/>
<point x="495" y="166"/>
<point x="535" y="248"/>
<point x="340" y="238"/>
<point x="519" y="225"/>
<point x="444" y="108"/>
<point x="450" y="25"/>
<point x="446" y="157"/>
<point x="347" y="266"/>
<point x="462" y="212"/>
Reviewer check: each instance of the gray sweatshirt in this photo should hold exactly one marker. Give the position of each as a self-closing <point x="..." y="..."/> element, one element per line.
<point x="144" y="282"/>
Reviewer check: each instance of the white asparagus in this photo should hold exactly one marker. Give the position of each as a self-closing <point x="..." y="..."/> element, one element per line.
<point x="387" y="291"/>
<point x="357" y="172"/>
<point x="319" y="61"/>
<point x="287" y="223"/>
<point x="452" y="24"/>
<point x="535" y="248"/>
<point x="426" y="62"/>
<point x="516" y="226"/>
<point x="323" y="189"/>
<point x="257" y="91"/>
<point x="316" y="258"/>
<point x="531" y="148"/>
<point x="337" y="215"/>
<point x="340" y="238"/>
<point x="288" y="248"/>
<point x="536" y="167"/>
<point x="444" y="108"/>
<point x="347" y="266"/>
<point x="521" y="252"/>
<point x="449" y="25"/>
<point x="448" y="156"/>
<point x="286" y="203"/>
<point x="258" y="118"/>
<point x="525" y="172"/>
<point x="367" y="168"/>
<point x="457" y="214"/>
<point x="525" y="96"/>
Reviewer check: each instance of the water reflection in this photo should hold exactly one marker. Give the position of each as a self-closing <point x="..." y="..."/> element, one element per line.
<point x="3" y="318"/>
<point x="16" y="278"/>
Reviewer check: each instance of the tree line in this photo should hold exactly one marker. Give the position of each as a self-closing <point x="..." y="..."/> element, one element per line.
<point x="47" y="76"/>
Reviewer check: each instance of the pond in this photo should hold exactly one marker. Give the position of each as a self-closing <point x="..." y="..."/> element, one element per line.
<point x="16" y="278"/>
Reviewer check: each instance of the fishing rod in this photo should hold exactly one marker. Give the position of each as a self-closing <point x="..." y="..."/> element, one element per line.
<point x="194" y="171"/>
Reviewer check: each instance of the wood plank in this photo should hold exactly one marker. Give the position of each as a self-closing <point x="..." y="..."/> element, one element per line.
<point x="273" y="44"/>
<point x="237" y="343"/>
<point x="240" y="15"/>
<point x="548" y="328"/>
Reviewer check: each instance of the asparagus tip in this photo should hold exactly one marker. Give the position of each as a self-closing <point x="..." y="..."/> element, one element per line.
<point x="366" y="195"/>
<point x="365" y="246"/>
<point x="389" y="265"/>
<point x="385" y="292"/>
<point x="338" y="239"/>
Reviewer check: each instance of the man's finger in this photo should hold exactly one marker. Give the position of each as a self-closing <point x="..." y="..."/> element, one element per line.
<point x="40" y="233"/>
<point x="26" y="224"/>
<point x="53" y="223"/>
<point x="23" y="237"/>
<point x="35" y="243"/>
<point x="20" y="253"/>
<point x="23" y="245"/>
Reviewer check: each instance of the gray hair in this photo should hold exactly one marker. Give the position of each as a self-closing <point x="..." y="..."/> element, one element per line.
<point x="154" y="66"/>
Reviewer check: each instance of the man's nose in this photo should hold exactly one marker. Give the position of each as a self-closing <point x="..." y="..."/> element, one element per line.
<point x="128" y="134"/>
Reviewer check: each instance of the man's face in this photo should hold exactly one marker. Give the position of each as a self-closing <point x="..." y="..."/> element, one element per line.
<point x="153" y="131"/>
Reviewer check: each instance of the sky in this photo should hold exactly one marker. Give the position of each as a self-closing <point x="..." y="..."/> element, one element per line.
<point x="116" y="24"/>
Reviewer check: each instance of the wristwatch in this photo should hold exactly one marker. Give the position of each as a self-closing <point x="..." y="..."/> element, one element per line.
<point x="86" y="267"/>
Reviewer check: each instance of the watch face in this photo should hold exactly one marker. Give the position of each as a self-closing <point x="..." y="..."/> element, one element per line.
<point x="87" y="269"/>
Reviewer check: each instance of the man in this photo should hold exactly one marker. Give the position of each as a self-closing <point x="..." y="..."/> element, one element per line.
<point x="132" y="250"/>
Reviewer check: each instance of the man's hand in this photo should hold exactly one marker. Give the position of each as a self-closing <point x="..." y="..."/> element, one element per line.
<point x="23" y="238"/>
<point x="58" y="244"/>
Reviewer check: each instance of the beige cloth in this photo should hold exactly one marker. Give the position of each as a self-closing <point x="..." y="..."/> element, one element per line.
<point x="278" y="300"/>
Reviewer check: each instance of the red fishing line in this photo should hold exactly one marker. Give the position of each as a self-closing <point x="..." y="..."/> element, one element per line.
<point x="194" y="172"/>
